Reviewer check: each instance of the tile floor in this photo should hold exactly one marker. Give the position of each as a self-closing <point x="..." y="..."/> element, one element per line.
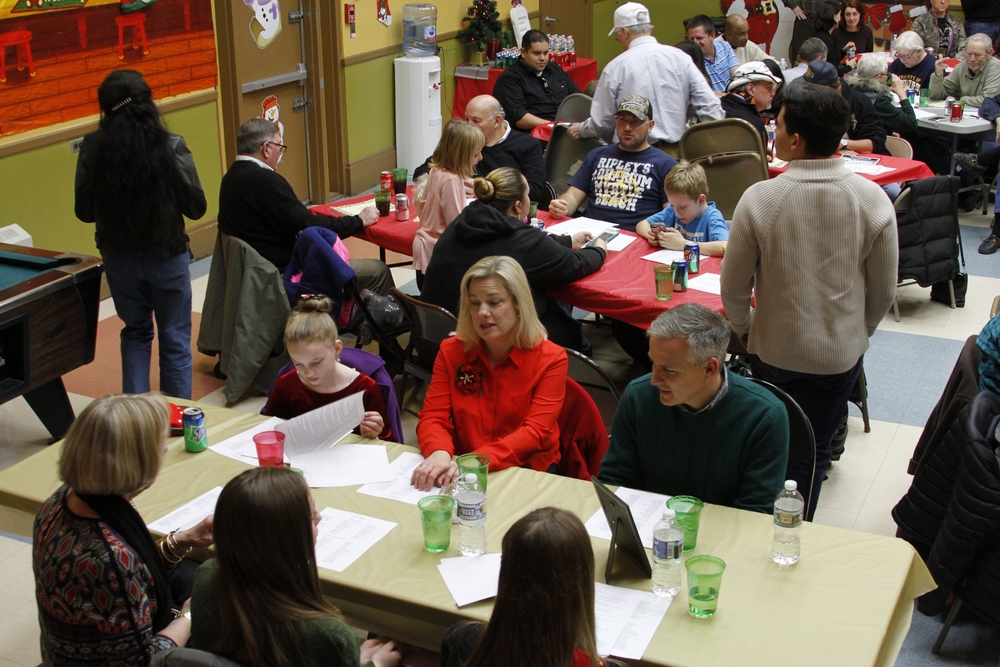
<point x="907" y="367"/>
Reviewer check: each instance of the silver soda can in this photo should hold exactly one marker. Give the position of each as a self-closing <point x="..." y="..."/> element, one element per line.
<point x="948" y="101"/>
<point x="680" y="270"/>
<point x="402" y="207"/>
<point x="692" y="255"/>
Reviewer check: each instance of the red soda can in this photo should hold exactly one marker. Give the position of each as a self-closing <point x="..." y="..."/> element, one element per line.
<point x="956" y="111"/>
<point x="386" y="180"/>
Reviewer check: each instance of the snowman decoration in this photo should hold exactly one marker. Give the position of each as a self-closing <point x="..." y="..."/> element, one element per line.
<point x="271" y="111"/>
<point x="266" y="22"/>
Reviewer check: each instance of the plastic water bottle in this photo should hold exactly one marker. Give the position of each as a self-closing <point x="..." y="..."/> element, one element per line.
<point x="419" y="30"/>
<point x="783" y="64"/>
<point x="892" y="45"/>
<point x="771" y="130"/>
<point x="788" y="510"/>
<point x="471" y="517"/>
<point x="571" y="47"/>
<point x="668" y="548"/>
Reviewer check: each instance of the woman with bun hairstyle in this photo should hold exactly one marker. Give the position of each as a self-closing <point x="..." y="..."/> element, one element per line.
<point x="259" y="602"/>
<point x="319" y="378"/>
<point x="544" y="610"/>
<point x="442" y="197"/>
<point x="494" y="225"/>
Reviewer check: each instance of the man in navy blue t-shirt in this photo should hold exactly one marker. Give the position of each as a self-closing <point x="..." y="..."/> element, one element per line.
<point x="622" y="183"/>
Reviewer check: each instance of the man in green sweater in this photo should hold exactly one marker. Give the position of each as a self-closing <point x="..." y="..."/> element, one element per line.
<point x="692" y="428"/>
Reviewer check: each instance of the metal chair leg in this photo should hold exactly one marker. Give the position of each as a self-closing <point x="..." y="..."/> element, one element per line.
<point x="895" y="307"/>
<point x="936" y="649"/>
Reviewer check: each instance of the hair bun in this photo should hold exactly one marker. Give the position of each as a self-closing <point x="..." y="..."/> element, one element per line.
<point x="314" y="303"/>
<point x="484" y="189"/>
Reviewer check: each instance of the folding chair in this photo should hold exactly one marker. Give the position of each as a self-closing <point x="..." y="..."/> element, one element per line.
<point x="721" y="137"/>
<point x="730" y="175"/>
<point x="563" y="156"/>
<point x="899" y="147"/>
<point x="429" y="325"/>
<point x="589" y="374"/>
<point x="574" y="108"/>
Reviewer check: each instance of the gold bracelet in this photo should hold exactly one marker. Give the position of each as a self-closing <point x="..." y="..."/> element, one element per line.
<point x="165" y="552"/>
<point x="175" y="548"/>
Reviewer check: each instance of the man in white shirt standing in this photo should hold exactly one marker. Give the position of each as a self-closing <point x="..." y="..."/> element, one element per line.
<point x="666" y="76"/>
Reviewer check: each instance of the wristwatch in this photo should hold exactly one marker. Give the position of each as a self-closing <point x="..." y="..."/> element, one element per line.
<point x="843" y="143"/>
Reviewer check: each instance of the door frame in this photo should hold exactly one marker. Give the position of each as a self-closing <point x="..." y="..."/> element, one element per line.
<point x="585" y="41"/>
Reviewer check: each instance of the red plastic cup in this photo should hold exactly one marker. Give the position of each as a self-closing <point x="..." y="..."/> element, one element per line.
<point x="270" y="448"/>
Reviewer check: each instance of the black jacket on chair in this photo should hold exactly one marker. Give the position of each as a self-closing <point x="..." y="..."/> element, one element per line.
<point x="928" y="231"/>
<point x="951" y="513"/>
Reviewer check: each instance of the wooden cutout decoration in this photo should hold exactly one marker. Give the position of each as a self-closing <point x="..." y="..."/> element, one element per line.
<point x="384" y="14"/>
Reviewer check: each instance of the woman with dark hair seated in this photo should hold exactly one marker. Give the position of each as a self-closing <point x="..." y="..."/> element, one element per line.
<point x="544" y="610"/>
<point x="494" y="225"/>
<point x="104" y="590"/>
<point x="259" y="603"/>
<point x="498" y="385"/>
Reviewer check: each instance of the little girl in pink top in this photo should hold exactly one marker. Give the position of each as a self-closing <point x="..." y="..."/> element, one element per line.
<point x="448" y="187"/>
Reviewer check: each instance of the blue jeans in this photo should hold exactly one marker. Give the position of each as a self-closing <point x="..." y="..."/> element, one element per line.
<point x="991" y="29"/>
<point x="822" y="398"/>
<point x="143" y="287"/>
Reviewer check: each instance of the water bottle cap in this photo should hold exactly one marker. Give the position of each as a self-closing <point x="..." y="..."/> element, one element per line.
<point x="470" y="478"/>
<point x="791" y="485"/>
<point x="669" y="513"/>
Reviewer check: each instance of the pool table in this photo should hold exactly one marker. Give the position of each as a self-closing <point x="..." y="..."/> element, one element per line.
<point x="48" y="326"/>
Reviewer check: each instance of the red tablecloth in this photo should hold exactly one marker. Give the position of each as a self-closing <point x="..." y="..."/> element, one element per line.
<point x="903" y="170"/>
<point x="582" y="73"/>
<point x="543" y="132"/>
<point x="622" y="289"/>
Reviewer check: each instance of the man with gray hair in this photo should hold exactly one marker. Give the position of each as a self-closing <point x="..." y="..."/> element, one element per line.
<point x="258" y="206"/>
<point x="811" y="49"/>
<point x="974" y="79"/>
<point x="691" y="427"/>
<point x="664" y="75"/>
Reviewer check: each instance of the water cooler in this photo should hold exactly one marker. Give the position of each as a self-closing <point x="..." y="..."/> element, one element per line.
<point x="418" y="109"/>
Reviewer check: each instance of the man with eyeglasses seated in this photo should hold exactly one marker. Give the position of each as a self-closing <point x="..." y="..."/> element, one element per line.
<point x="621" y="183"/>
<point x="532" y="89"/>
<point x="258" y="206"/>
<point x="912" y="66"/>
<point x="750" y="92"/>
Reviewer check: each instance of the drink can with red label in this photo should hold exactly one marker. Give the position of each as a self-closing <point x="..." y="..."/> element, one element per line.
<point x="402" y="207"/>
<point x="956" y="111"/>
<point x="386" y="180"/>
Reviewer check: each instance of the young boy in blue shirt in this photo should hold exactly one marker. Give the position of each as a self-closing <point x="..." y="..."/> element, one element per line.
<point x="689" y="216"/>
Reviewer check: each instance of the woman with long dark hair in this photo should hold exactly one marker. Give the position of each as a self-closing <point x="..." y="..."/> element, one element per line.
<point x="137" y="181"/>
<point x="259" y="603"/>
<point x="544" y="610"/>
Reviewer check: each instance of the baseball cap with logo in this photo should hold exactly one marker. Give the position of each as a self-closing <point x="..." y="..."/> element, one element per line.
<point x="637" y="105"/>
<point x="750" y="72"/>
<point x="628" y="15"/>
<point x="822" y="73"/>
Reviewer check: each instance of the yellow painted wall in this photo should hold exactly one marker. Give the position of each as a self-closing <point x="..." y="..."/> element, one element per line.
<point x="38" y="184"/>
<point x="666" y="15"/>
<point x="372" y="35"/>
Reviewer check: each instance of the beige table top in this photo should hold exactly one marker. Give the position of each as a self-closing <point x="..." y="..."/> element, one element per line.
<point x="847" y="602"/>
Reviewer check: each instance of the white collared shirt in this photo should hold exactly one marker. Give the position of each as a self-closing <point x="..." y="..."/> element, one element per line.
<point x="251" y="158"/>
<point x="666" y="76"/>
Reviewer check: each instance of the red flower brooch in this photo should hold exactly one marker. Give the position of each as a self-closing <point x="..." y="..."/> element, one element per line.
<point x="468" y="379"/>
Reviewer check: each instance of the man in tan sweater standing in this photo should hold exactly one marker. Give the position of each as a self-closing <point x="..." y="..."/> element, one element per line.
<point x="817" y="249"/>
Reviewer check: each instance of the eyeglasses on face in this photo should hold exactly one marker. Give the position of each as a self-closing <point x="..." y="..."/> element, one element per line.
<point x="281" y="147"/>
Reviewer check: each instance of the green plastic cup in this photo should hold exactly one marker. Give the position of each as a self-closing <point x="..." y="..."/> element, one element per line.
<point x="925" y="97"/>
<point x="477" y="463"/>
<point x="704" y="581"/>
<point x="435" y="516"/>
<point x="533" y="209"/>
<point x="688" y="510"/>
<point x="399" y="181"/>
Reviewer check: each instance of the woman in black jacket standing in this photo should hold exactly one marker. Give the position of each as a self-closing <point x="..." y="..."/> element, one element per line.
<point x="494" y="225"/>
<point x="137" y="182"/>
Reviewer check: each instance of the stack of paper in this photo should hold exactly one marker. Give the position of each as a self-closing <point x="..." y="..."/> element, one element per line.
<point x="646" y="508"/>
<point x="471" y="579"/>
<point x="345" y="536"/>
<point x="668" y="256"/>
<point x="399" y="487"/>
<point x="575" y="225"/>
<point x="189" y="515"/>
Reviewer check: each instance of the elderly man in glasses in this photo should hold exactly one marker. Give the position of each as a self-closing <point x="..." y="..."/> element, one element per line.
<point x="258" y="206"/>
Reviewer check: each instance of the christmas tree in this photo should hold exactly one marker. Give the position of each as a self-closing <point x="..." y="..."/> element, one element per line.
<point x="484" y="24"/>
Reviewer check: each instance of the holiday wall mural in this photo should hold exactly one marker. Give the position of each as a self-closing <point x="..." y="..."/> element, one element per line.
<point x="57" y="52"/>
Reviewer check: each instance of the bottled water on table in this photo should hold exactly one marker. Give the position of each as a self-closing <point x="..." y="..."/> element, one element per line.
<point x="771" y="131"/>
<point x="783" y="64"/>
<point x="668" y="548"/>
<point x="471" y="501"/>
<point x="788" y="510"/>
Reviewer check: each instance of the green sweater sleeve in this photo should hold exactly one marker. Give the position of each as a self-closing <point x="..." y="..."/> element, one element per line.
<point x="620" y="465"/>
<point x="991" y="84"/>
<point x="764" y="470"/>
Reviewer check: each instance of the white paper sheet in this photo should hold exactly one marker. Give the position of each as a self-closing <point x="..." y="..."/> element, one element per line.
<point x="399" y="488"/>
<point x="344" y="465"/>
<point x="621" y="242"/>
<point x="613" y="607"/>
<point x="646" y="508"/>
<point x="574" y="225"/>
<point x="668" y="256"/>
<point x="241" y="447"/>
<point x="188" y="515"/>
<point x="641" y="625"/>
<point x="323" y="427"/>
<point x="706" y="282"/>
<point x="921" y="114"/>
<point x="355" y="209"/>
<point x="345" y="536"/>
<point x="471" y="579"/>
